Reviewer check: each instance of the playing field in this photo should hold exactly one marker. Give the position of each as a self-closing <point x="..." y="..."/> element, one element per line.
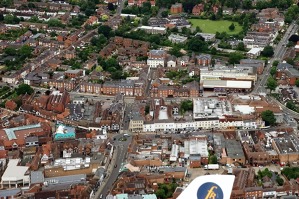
<point x="208" y="26"/>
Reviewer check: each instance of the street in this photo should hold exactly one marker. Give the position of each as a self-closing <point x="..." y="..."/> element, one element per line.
<point x="278" y="55"/>
<point x="118" y="159"/>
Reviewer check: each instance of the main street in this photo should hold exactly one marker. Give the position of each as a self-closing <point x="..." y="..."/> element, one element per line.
<point x="113" y="170"/>
<point x="279" y="52"/>
<point x="278" y="55"/>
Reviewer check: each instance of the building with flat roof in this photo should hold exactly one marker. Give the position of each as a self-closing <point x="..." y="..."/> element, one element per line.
<point x="287" y="148"/>
<point x="210" y="108"/>
<point x="15" y="175"/>
<point x="234" y="152"/>
<point x="254" y="53"/>
<point x="153" y="30"/>
<point x="177" y="38"/>
<point x="224" y="85"/>
<point x="64" y="132"/>
<point x="207" y="36"/>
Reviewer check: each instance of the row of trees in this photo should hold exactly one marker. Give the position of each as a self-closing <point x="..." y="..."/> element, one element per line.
<point x="19" y="56"/>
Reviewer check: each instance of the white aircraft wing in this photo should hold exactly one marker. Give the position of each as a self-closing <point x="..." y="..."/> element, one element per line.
<point x="209" y="187"/>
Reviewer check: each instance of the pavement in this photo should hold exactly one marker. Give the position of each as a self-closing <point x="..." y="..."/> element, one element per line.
<point x="279" y="52"/>
<point x="278" y="55"/>
<point x="118" y="158"/>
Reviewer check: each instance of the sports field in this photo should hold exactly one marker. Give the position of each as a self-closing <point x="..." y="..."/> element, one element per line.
<point x="209" y="26"/>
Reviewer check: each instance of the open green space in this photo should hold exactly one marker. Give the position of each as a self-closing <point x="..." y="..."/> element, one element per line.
<point x="209" y="26"/>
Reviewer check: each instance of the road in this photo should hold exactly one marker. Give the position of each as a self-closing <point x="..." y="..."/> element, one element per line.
<point x="121" y="4"/>
<point x="112" y="171"/>
<point x="278" y="55"/>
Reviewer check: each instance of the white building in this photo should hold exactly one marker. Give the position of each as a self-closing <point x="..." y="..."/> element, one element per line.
<point x="254" y="53"/>
<point x="153" y="30"/>
<point x="15" y="175"/>
<point x="177" y="38"/>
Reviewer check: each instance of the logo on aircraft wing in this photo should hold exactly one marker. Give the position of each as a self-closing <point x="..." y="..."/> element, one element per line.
<point x="209" y="190"/>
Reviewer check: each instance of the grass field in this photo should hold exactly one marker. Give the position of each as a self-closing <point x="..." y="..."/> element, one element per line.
<point x="208" y="26"/>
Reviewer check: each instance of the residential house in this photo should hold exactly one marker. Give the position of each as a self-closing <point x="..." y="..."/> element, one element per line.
<point x="204" y="59"/>
<point x="171" y="61"/>
<point x="139" y="3"/>
<point x="176" y="8"/>
<point x="198" y="9"/>
<point x="156" y="58"/>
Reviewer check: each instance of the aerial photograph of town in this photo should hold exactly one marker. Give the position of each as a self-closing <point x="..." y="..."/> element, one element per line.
<point x="149" y="99"/>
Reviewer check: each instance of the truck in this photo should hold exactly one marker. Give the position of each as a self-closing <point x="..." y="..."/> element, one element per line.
<point x="211" y="167"/>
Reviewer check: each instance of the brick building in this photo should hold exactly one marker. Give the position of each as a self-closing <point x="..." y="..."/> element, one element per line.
<point x="176" y="8"/>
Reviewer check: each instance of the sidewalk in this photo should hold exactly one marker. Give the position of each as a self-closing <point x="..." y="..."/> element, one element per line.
<point x="109" y="171"/>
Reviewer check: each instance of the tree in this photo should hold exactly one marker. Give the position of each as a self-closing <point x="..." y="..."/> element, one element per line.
<point x="290" y="61"/>
<point x="23" y="89"/>
<point x="1" y="17"/>
<point x="55" y="23"/>
<point x="197" y="44"/>
<point x="275" y="63"/>
<point x="197" y="29"/>
<point x="271" y="84"/>
<point x="186" y="105"/>
<point x="105" y="30"/>
<point x="160" y="193"/>
<point x="273" y="70"/>
<point x="111" y="6"/>
<point x="297" y="82"/>
<point x="212" y="159"/>
<point x="235" y="57"/>
<point x="25" y="51"/>
<point x="241" y="46"/>
<point x="268" y="51"/>
<point x="247" y="4"/>
<point x="232" y="27"/>
<point x="268" y="117"/>
<point x="175" y="51"/>
<point x="164" y="13"/>
<point x="279" y="180"/>
<point x="213" y="51"/>
<point x="291" y="105"/>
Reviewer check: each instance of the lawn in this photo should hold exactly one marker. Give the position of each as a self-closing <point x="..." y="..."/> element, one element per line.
<point x="209" y="26"/>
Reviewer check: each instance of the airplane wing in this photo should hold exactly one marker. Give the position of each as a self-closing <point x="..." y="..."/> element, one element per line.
<point x="209" y="187"/>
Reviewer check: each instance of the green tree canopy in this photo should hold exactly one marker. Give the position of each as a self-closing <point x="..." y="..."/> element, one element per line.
<point x="164" y="13"/>
<point x="23" y="89"/>
<point x="235" y="57"/>
<point x="105" y="30"/>
<point x="197" y="44"/>
<point x="275" y="63"/>
<point x="186" y="105"/>
<point x="271" y="84"/>
<point x="268" y="117"/>
<point x="297" y="82"/>
<point x="291" y="105"/>
<point x="273" y="70"/>
<point x="212" y="159"/>
<point x="175" y="51"/>
<point x="232" y="27"/>
<point x="55" y="23"/>
<point x="268" y="51"/>
<point x="279" y="180"/>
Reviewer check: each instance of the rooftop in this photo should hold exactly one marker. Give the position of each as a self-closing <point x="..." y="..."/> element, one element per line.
<point x="210" y="108"/>
<point x="234" y="149"/>
<point x="287" y="144"/>
<point x="14" y="172"/>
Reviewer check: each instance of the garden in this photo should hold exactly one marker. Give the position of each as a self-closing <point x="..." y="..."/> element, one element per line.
<point x="209" y="26"/>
